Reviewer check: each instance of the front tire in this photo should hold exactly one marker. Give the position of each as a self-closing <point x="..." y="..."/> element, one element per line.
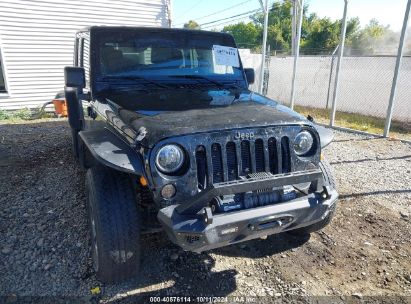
<point x="329" y="180"/>
<point x="114" y="224"/>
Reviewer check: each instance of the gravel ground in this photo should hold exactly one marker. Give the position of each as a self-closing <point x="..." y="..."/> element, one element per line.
<point x="364" y="252"/>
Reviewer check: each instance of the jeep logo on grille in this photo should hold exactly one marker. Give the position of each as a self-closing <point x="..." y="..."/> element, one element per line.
<point x="243" y="135"/>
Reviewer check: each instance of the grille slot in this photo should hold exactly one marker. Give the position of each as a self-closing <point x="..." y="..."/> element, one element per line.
<point x="272" y="155"/>
<point x="218" y="174"/>
<point x="245" y="157"/>
<point x="259" y="155"/>
<point x="201" y="160"/>
<point x="285" y="155"/>
<point x="232" y="161"/>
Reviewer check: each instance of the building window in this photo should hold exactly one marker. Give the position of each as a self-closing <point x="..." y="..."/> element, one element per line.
<point x="2" y="78"/>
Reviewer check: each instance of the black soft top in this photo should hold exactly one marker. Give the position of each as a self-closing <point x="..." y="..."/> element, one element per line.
<point x="171" y="31"/>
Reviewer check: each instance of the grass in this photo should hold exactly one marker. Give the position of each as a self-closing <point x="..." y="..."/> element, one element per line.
<point x="358" y="122"/>
<point x="22" y="115"/>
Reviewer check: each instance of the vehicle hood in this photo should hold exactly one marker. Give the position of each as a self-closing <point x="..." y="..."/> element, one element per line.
<point x="248" y="110"/>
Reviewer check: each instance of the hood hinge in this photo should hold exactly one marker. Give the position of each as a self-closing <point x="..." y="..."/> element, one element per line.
<point x="142" y="132"/>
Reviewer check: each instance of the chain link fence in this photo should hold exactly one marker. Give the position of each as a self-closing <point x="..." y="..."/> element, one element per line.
<point x="402" y="107"/>
<point x="363" y="100"/>
<point x="363" y="96"/>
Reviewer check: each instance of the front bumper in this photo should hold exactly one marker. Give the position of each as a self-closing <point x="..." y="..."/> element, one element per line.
<point x="203" y="231"/>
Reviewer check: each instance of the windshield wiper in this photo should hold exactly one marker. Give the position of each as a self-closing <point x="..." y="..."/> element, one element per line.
<point x="222" y="86"/>
<point x="135" y="79"/>
<point x="200" y="77"/>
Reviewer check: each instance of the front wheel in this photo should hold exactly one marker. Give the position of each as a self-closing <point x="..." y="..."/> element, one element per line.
<point x="330" y="180"/>
<point x="114" y="224"/>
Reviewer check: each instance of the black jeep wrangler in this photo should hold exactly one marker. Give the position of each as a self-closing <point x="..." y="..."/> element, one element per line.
<point x="173" y="139"/>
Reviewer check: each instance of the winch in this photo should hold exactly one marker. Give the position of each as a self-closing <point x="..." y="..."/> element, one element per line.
<point x="249" y="200"/>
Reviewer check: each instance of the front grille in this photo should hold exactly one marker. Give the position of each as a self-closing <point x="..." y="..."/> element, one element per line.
<point x="259" y="156"/>
<point x="234" y="160"/>
<point x="232" y="167"/>
<point x="285" y="152"/>
<point x="272" y="155"/>
<point x="201" y="161"/>
<point x="218" y="173"/>
<point x="245" y="157"/>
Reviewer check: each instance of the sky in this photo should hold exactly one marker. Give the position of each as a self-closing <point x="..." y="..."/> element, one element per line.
<point x="387" y="12"/>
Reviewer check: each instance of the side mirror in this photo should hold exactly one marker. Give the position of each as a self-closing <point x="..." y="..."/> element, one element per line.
<point x="249" y="75"/>
<point x="74" y="77"/>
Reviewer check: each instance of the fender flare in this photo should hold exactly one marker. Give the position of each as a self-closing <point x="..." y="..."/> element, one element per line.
<point x="75" y="109"/>
<point x="326" y="135"/>
<point x="109" y="150"/>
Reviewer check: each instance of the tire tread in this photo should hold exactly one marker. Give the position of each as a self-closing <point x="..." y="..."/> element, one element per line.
<point x="117" y="221"/>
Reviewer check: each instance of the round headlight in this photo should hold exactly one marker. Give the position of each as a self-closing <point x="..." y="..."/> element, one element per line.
<point x="169" y="158"/>
<point x="303" y="143"/>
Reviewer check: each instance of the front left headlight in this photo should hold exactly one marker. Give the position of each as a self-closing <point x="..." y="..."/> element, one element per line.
<point x="169" y="159"/>
<point x="303" y="143"/>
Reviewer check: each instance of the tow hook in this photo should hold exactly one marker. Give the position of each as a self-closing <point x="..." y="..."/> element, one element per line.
<point x="325" y="194"/>
<point x="208" y="215"/>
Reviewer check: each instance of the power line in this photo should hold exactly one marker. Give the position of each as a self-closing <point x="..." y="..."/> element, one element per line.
<point x="223" y="10"/>
<point x="241" y="18"/>
<point x="226" y="22"/>
<point x="190" y="9"/>
<point x="237" y="20"/>
<point x="215" y="13"/>
<point x="242" y="14"/>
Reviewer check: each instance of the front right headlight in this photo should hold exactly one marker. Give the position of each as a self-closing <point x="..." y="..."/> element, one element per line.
<point x="303" y="143"/>
<point x="169" y="159"/>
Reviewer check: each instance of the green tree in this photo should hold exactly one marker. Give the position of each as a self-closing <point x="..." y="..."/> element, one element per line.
<point x="353" y="27"/>
<point x="275" y="38"/>
<point x="323" y="34"/>
<point x="245" y="35"/>
<point x="279" y="25"/>
<point x="318" y="35"/>
<point x="373" y="38"/>
<point x="191" y="24"/>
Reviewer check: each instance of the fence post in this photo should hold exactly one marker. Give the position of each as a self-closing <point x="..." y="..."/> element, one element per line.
<point x="340" y="55"/>
<point x="293" y="26"/>
<point x="297" y="49"/>
<point x="331" y="76"/>
<point x="396" y="71"/>
<point x="265" y="9"/>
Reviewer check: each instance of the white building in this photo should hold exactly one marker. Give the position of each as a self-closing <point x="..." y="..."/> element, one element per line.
<point x="37" y="40"/>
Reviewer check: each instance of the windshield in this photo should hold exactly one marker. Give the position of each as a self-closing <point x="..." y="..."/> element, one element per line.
<point x="168" y="55"/>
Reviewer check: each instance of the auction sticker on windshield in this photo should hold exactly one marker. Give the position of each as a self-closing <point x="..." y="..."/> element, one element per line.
<point x="225" y="55"/>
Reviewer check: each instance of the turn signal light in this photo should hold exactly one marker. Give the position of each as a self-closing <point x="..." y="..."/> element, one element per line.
<point x="143" y="181"/>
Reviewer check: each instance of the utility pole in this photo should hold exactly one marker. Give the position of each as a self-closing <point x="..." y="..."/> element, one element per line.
<point x="340" y="55"/>
<point x="168" y="6"/>
<point x="265" y="10"/>
<point x="297" y="49"/>
<point x="397" y="71"/>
